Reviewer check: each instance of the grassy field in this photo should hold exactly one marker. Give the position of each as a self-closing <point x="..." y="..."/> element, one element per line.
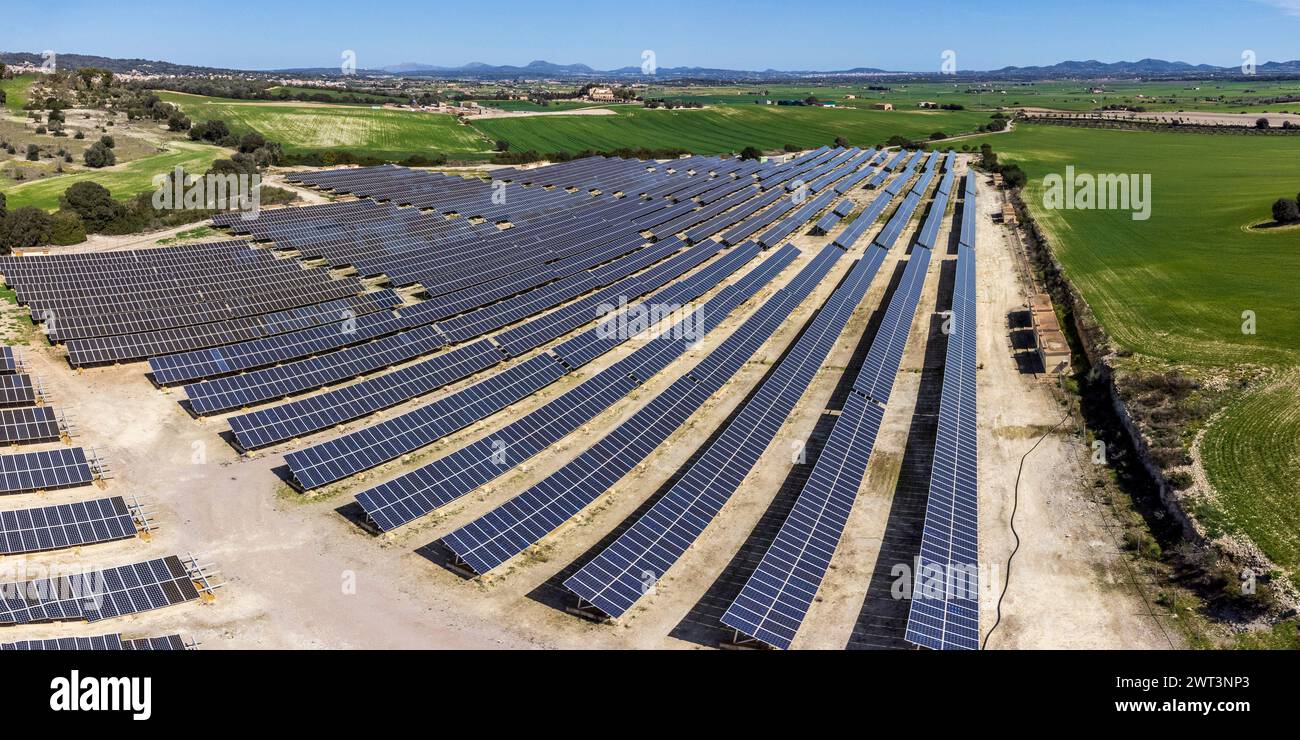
<point x="16" y="92"/>
<point x="1174" y="288"/>
<point x="330" y="92"/>
<point x="307" y="127"/>
<point x="1252" y="453"/>
<point x="123" y="180"/>
<point x="725" y="128"/>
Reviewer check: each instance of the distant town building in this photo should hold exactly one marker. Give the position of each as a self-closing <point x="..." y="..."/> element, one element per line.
<point x="927" y="104"/>
<point x="602" y="94"/>
<point x="883" y="106"/>
<point x="850" y="97"/>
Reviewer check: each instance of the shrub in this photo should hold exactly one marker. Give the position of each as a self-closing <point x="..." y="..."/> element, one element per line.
<point x="93" y="204"/>
<point x="25" y="227"/>
<point x="66" y="227"/>
<point x="99" y="155"/>
<point x="1286" y="211"/>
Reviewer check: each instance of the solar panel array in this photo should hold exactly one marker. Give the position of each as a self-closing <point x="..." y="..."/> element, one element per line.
<point x="944" y="611"/>
<point x="417" y="493"/>
<point x="515" y="525"/>
<point x="99" y="643"/>
<point x="66" y="525"/>
<point x="616" y="578"/>
<point x="98" y="594"/>
<point x="339" y="458"/>
<point x="775" y="599"/>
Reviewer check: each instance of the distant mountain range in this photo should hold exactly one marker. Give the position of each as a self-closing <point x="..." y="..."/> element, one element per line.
<point x="1090" y="69"/>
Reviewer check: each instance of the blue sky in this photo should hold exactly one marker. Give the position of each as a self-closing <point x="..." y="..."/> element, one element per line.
<point x="753" y="34"/>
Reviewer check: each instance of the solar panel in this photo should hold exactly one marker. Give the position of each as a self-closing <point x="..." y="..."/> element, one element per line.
<point x="774" y="601"/>
<point x="169" y="642"/>
<point x="969" y="212"/>
<point x="82" y="644"/>
<point x="98" y="594"/>
<point x="17" y="390"/>
<point x="876" y="378"/>
<point x="32" y="424"/>
<point x="48" y="469"/>
<point x="944" y="612"/>
<point x="9" y="362"/>
<point x="65" y="525"/>
<point x="617" y="578"/>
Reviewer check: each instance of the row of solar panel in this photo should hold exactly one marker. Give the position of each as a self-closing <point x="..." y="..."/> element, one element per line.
<point x="67" y="525"/>
<point x="315" y="413"/>
<point x="521" y="521"/>
<point x="100" y="642"/>
<point x="98" y="594"/>
<point x="618" y="576"/>
<point x="421" y="491"/>
<point x="333" y="460"/>
<point x="944" y="609"/>
<point x="775" y="599"/>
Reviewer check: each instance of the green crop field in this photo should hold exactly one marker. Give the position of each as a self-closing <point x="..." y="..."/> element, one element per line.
<point x="725" y="128"/>
<point x="124" y="180"/>
<point x="1175" y="287"/>
<point x="307" y="127"/>
<point x="1209" y="95"/>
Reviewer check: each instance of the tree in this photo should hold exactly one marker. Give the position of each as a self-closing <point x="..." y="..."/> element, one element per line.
<point x="791" y="148"/>
<point x="66" y="227"/>
<point x="750" y="152"/>
<point x="841" y="142"/>
<point x="251" y="142"/>
<point x="107" y="141"/>
<point x="1262" y="123"/>
<point x="177" y="121"/>
<point x="33" y="153"/>
<point x="502" y="145"/>
<point x="1286" y="211"/>
<point x="92" y="203"/>
<point x="54" y="116"/>
<point x="1013" y="176"/>
<point x="98" y="155"/>
<point x="4" y="204"/>
<point x="937" y="135"/>
<point x="988" y="157"/>
<point x="28" y="226"/>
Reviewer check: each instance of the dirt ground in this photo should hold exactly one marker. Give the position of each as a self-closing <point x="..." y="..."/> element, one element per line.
<point x="298" y="574"/>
